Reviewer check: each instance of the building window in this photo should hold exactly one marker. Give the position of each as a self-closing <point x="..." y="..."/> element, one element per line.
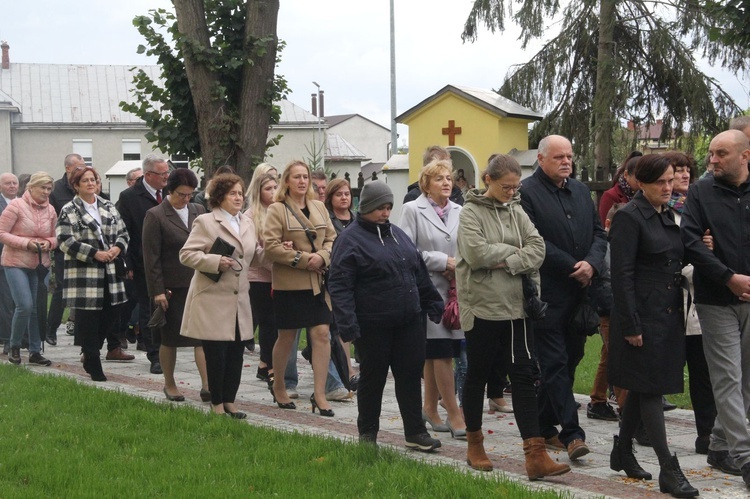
<point x="180" y="160"/>
<point x="85" y="149"/>
<point x="131" y="149"/>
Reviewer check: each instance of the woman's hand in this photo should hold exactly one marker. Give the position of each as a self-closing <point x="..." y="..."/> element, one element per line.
<point x="449" y="274"/>
<point x="287" y="245"/>
<point x="708" y="240"/>
<point x="636" y="341"/>
<point x="500" y="265"/>
<point x="316" y="263"/>
<point x="102" y="256"/>
<point x="43" y="243"/>
<point x="162" y="301"/>
<point x="114" y="252"/>
<point x="225" y="264"/>
<point x="450" y="265"/>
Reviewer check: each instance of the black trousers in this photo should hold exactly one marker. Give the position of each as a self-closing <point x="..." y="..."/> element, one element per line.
<point x="261" y="303"/>
<point x="701" y="395"/>
<point x="56" y="307"/>
<point x="559" y="353"/>
<point x="92" y="327"/>
<point x="510" y="345"/>
<point x="144" y="314"/>
<point x="224" y="367"/>
<point x="400" y="347"/>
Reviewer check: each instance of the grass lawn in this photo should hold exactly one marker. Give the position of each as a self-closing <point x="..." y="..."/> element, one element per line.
<point x="65" y="439"/>
<point x="587" y="371"/>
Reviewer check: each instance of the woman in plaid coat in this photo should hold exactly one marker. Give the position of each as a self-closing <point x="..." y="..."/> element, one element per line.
<point x="92" y="235"/>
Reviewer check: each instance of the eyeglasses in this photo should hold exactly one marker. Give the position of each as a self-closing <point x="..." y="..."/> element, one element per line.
<point x="180" y="195"/>
<point x="162" y="175"/>
<point x="508" y="188"/>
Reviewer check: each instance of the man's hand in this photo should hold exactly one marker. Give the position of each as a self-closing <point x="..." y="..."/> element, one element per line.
<point x="739" y="284"/>
<point x="708" y="240"/>
<point x="583" y="273"/>
<point x="636" y="341"/>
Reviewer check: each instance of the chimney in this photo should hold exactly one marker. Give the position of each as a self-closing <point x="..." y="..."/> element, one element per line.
<point x="6" y="57"/>
<point x="320" y="104"/>
<point x="659" y="122"/>
<point x="315" y="104"/>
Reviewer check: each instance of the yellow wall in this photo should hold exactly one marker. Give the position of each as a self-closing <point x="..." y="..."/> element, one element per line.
<point x="482" y="133"/>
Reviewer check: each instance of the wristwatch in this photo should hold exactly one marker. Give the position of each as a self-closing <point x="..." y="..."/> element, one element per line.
<point x="296" y="258"/>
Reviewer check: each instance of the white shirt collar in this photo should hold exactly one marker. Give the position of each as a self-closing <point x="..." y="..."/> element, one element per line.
<point x="150" y="189"/>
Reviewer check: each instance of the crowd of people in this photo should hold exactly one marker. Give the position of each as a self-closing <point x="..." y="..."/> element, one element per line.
<point x="474" y="286"/>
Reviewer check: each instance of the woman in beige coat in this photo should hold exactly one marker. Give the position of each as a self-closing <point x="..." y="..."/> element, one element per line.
<point x="298" y="240"/>
<point x="218" y="313"/>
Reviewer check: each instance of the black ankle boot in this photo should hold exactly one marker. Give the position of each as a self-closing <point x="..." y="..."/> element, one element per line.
<point x="623" y="458"/>
<point x="14" y="356"/>
<point x="673" y="481"/>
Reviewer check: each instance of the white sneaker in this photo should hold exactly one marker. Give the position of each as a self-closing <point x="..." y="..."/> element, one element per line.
<point x="292" y="393"/>
<point x="339" y="395"/>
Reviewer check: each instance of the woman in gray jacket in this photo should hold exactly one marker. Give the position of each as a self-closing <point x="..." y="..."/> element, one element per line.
<point x="497" y="244"/>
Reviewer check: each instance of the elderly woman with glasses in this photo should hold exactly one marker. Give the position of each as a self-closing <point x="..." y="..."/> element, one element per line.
<point x="220" y="247"/>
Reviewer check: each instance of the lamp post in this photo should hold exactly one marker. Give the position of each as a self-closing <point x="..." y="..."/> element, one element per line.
<point x="320" y="134"/>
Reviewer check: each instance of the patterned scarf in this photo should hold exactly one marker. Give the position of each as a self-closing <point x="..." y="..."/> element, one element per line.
<point x="625" y="188"/>
<point x="677" y="202"/>
<point x="441" y="212"/>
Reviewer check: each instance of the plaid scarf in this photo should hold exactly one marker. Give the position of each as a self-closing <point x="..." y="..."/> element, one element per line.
<point x="441" y="212"/>
<point x="625" y="188"/>
<point x="677" y="202"/>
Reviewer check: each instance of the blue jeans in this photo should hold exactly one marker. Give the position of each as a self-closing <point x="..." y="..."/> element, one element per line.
<point x="23" y="284"/>
<point x="291" y="378"/>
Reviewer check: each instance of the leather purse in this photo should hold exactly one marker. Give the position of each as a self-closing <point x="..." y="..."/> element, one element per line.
<point x="223" y="248"/>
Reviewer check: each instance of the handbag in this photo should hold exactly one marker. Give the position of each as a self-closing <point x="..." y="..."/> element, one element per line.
<point x="585" y="320"/>
<point x="223" y="248"/>
<point x="451" y="318"/>
<point x="121" y="267"/>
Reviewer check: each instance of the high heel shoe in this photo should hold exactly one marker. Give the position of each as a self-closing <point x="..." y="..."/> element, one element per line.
<point x="501" y="406"/>
<point x="323" y="412"/>
<point x="173" y="398"/>
<point x="282" y="405"/>
<point x="442" y="428"/>
<point x="457" y="434"/>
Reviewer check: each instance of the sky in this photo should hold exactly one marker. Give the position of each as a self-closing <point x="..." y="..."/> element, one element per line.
<point x="343" y="45"/>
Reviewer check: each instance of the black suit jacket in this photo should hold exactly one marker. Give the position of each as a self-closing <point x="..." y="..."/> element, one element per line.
<point x="133" y="204"/>
<point x="567" y="220"/>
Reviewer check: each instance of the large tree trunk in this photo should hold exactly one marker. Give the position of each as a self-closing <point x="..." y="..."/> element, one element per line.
<point x="209" y="111"/>
<point x="605" y="86"/>
<point x="257" y="84"/>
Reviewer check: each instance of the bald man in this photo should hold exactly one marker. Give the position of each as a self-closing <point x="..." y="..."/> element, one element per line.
<point x="721" y="204"/>
<point x="8" y="192"/>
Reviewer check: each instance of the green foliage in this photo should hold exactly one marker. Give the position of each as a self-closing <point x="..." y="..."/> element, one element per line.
<point x="654" y="72"/>
<point x="167" y="105"/>
<point x="733" y="22"/>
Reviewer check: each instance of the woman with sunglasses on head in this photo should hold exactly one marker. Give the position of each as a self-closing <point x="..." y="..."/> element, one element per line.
<point x="299" y="295"/>
<point x="92" y="234"/>
<point x="165" y="230"/>
<point x="217" y="312"/>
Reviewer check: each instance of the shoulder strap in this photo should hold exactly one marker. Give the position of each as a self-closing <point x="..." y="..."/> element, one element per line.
<point x="308" y="231"/>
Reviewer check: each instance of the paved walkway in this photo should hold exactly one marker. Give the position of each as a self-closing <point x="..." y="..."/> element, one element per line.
<point x="591" y="476"/>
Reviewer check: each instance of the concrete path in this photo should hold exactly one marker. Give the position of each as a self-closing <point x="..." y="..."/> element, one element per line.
<point x="591" y="476"/>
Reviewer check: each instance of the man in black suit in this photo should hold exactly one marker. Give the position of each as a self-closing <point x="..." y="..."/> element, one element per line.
<point x="565" y="216"/>
<point x="8" y="192"/>
<point x="134" y="202"/>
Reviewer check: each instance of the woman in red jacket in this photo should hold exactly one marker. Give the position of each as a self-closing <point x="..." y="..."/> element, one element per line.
<point x="624" y="186"/>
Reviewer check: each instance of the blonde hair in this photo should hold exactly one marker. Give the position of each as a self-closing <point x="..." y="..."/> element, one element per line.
<point x="433" y="169"/>
<point x="260" y="171"/>
<point x="283" y="191"/>
<point x="257" y="210"/>
<point x="39" y="178"/>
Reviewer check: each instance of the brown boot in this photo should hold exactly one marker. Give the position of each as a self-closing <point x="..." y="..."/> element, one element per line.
<point x="538" y="462"/>
<point x="475" y="455"/>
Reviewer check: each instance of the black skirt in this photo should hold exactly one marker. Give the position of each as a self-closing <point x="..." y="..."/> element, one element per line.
<point x="298" y="309"/>
<point x="169" y="335"/>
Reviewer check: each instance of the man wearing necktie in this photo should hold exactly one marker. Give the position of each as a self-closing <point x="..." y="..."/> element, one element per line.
<point x="134" y="202"/>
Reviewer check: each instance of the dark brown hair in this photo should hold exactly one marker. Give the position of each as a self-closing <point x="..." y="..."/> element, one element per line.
<point x="75" y="176"/>
<point x="651" y="166"/>
<point x="219" y="187"/>
<point x="181" y="176"/>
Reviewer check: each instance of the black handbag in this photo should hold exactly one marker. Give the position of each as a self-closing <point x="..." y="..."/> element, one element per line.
<point x="585" y="320"/>
<point x="223" y="248"/>
<point x="121" y="267"/>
